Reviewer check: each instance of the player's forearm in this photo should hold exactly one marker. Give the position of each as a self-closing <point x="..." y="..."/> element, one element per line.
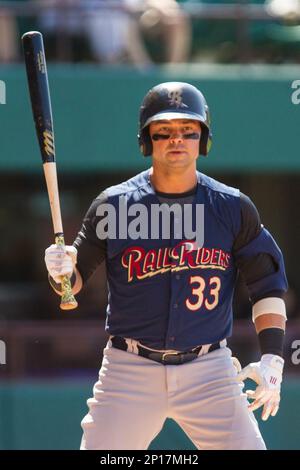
<point x="269" y="317"/>
<point x="269" y="320"/>
<point x="76" y="283"/>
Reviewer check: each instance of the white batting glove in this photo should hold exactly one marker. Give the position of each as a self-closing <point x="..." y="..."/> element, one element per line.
<point x="268" y="375"/>
<point x="60" y="261"/>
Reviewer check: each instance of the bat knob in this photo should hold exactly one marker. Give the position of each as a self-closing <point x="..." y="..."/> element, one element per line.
<point x="69" y="304"/>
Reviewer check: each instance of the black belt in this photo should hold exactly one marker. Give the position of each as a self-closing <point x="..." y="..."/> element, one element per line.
<point x="166" y="358"/>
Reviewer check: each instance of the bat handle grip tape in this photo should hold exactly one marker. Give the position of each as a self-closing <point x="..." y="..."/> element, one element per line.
<point x="68" y="301"/>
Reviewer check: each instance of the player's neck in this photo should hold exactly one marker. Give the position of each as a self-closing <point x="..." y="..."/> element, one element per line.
<point x="170" y="182"/>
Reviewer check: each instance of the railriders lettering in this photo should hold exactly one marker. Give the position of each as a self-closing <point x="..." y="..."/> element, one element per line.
<point x="142" y="264"/>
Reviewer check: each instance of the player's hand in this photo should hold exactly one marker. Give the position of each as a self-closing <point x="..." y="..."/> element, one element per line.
<point x="268" y="375"/>
<point x="236" y="363"/>
<point x="60" y="261"/>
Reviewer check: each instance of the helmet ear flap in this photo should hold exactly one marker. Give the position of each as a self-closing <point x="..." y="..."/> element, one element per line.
<point x="206" y="136"/>
<point x="145" y="143"/>
<point x="205" y="141"/>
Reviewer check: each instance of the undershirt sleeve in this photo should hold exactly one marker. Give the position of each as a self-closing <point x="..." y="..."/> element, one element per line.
<point x="91" y="249"/>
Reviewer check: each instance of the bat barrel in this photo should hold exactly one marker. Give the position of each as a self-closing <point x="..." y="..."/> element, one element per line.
<point x="36" y="68"/>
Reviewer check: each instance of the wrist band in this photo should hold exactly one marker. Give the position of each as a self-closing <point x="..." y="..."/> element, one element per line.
<point x="271" y="341"/>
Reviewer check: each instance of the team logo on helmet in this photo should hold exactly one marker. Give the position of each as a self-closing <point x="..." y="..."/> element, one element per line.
<point x="175" y="97"/>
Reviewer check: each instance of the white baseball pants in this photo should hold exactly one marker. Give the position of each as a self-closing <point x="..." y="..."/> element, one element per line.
<point x="134" y="396"/>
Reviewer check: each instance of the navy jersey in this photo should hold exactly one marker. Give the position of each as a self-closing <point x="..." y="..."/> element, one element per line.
<point x="172" y="293"/>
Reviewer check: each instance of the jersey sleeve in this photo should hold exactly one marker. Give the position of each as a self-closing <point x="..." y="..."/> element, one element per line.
<point x="257" y="256"/>
<point x="90" y="247"/>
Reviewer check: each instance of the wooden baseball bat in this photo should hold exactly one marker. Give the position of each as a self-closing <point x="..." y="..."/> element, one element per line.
<point x="41" y="107"/>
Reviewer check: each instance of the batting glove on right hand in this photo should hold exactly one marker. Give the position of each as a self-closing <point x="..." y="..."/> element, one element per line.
<point x="60" y="261"/>
<point x="268" y="375"/>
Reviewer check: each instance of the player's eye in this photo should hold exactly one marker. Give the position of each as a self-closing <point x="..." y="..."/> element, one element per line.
<point x="192" y="135"/>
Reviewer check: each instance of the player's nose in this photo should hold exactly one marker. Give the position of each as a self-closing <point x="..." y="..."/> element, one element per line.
<point x="176" y="136"/>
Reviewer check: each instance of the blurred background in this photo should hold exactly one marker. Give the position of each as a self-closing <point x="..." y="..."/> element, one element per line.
<point x="102" y="58"/>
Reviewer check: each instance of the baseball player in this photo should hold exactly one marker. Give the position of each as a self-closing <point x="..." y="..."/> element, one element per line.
<point x="170" y="291"/>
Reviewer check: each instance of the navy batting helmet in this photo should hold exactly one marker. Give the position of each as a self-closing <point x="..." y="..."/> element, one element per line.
<point x="174" y="100"/>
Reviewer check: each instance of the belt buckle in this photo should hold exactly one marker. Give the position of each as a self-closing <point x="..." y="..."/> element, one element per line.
<point x="169" y="354"/>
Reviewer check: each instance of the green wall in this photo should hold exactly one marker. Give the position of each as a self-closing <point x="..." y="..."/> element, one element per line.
<point x="47" y="415"/>
<point x="255" y="124"/>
